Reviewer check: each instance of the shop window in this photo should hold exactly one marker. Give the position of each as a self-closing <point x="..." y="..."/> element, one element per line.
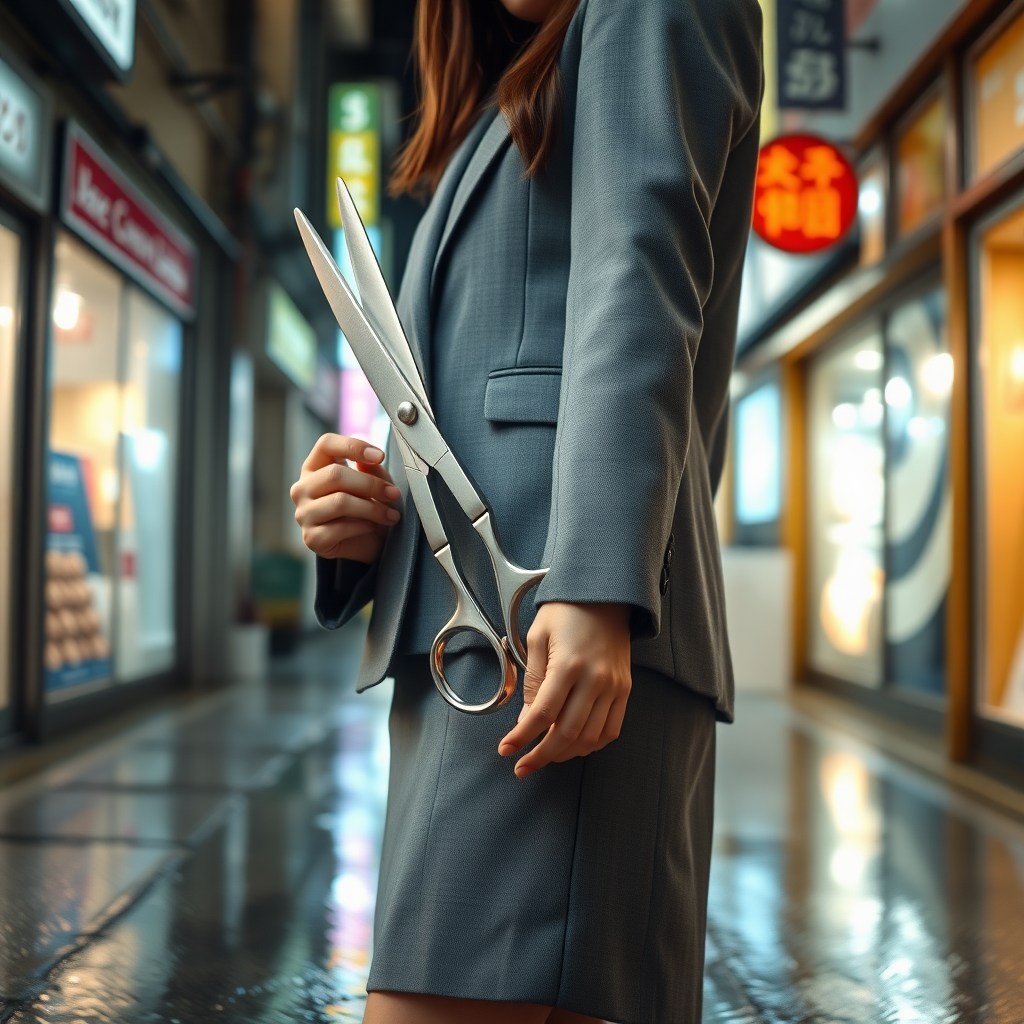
<point x="112" y="477"/>
<point x="918" y="521"/>
<point x="1000" y="432"/>
<point x="872" y="210"/>
<point x="921" y="165"/>
<point x="846" y="509"/>
<point x="10" y="261"/>
<point x="997" y="95"/>
<point x="757" y="461"/>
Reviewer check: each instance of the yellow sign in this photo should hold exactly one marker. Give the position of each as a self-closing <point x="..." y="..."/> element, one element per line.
<point x="353" y="149"/>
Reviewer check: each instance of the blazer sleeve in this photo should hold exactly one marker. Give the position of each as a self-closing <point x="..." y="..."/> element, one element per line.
<point x="667" y="89"/>
<point x="343" y="588"/>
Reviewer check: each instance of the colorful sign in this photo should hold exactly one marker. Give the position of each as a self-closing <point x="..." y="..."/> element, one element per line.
<point x="291" y="342"/>
<point x="100" y="204"/>
<point x="77" y="592"/>
<point x="24" y="134"/>
<point x="806" y="194"/>
<point x="812" y="54"/>
<point x="354" y="149"/>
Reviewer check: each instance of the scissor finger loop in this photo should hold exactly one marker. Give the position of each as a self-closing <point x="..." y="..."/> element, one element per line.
<point x="469" y="618"/>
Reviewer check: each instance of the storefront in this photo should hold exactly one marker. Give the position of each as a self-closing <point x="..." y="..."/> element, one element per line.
<point x="26" y="129"/>
<point x="895" y="385"/>
<point x="116" y="330"/>
<point x="123" y="286"/>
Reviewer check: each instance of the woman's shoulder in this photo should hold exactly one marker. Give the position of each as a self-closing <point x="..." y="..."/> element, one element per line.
<point x="739" y="13"/>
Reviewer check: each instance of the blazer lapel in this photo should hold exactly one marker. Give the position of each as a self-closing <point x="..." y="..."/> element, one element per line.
<point x="483" y="155"/>
<point x="416" y="289"/>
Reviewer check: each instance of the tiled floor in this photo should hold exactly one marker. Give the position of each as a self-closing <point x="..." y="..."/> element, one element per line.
<point x="219" y="864"/>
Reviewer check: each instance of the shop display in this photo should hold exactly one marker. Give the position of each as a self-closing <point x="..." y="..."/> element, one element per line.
<point x="77" y="648"/>
<point x="10" y="253"/>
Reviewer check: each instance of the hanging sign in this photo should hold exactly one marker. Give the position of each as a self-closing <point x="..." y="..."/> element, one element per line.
<point x="812" y="54"/>
<point x="25" y="130"/>
<point x="353" y="149"/>
<point x="101" y="205"/>
<point x="806" y="192"/>
<point x="112" y="22"/>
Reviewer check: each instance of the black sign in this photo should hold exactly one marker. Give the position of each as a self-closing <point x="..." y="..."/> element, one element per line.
<point x="812" y="54"/>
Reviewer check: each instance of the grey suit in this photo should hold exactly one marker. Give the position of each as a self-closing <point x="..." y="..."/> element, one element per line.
<point x="576" y="331"/>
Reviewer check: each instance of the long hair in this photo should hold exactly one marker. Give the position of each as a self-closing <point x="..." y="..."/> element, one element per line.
<point x="463" y="50"/>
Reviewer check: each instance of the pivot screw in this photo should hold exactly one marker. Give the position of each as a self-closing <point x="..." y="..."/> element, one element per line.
<point x="407" y="413"/>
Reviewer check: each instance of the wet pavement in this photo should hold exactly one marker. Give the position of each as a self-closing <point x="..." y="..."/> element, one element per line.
<point x="219" y="864"/>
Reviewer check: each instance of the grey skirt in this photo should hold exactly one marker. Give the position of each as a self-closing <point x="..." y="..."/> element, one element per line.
<point x="583" y="887"/>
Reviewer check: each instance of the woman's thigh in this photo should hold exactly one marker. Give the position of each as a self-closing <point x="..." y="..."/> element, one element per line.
<point x="408" y="1008"/>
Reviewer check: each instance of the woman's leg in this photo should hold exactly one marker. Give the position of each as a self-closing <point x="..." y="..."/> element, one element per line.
<point x="409" y="1008"/>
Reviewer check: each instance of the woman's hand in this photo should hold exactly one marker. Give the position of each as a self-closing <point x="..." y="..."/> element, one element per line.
<point x="577" y="682"/>
<point x="345" y="512"/>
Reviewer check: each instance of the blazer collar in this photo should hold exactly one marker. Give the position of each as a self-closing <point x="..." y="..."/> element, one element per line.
<point x="433" y="229"/>
<point x="483" y="156"/>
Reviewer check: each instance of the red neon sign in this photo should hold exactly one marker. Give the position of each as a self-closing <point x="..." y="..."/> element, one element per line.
<point x="805" y="198"/>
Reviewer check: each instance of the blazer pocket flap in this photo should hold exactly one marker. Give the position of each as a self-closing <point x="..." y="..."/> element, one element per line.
<point x="523" y="395"/>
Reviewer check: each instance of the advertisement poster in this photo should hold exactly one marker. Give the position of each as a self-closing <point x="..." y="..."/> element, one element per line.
<point x="77" y="592"/>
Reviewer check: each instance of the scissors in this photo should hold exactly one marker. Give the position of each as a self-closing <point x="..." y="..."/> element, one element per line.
<point x="374" y="332"/>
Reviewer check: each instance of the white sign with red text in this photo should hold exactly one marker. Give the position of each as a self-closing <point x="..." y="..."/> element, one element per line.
<point x="100" y="204"/>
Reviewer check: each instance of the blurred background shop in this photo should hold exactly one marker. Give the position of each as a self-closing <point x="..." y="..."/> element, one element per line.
<point x="159" y="325"/>
<point x="877" y="400"/>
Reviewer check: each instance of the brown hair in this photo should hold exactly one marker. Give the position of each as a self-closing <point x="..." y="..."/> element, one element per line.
<point x="463" y="49"/>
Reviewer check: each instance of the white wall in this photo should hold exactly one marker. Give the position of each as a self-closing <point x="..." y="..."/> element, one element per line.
<point x="759" y="607"/>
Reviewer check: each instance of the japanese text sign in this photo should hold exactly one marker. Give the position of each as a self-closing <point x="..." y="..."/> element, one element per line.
<point x="24" y="136"/>
<point x="353" y="149"/>
<point x="100" y="204"/>
<point x="812" y="54"/>
<point x="805" y="197"/>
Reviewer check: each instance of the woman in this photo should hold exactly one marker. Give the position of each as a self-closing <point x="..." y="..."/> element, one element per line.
<point x="572" y="292"/>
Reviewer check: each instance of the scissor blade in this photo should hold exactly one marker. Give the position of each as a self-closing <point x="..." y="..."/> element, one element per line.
<point x="373" y="292"/>
<point x="386" y="379"/>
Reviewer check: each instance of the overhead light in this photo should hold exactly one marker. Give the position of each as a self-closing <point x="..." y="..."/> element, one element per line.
<point x="898" y="393"/>
<point x="66" y="310"/>
<point x="6" y="316"/>
<point x="937" y="374"/>
<point x="868" y="359"/>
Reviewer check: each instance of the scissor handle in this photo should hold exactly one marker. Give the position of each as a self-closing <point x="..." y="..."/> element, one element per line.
<point x="513" y="581"/>
<point x="469" y="618"/>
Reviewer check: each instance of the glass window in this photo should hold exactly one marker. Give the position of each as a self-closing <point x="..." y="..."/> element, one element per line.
<point x="1000" y="431"/>
<point x="871" y="209"/>
<point x="918" y="527"/>
<point x="998" y="98"/>
<point x="758" y="481"/>
<point x="846" y="508"/>
<point x="112" y="475"/>
<point x="10" y="261"/>
<point x="921" y="166"/>
<point x="149" y="435"/>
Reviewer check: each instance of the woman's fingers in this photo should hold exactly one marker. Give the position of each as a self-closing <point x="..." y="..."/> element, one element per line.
<point x="326" y="538"/>
<point x="339" y="477"/>
<point x="341" y="505"/>
<point x="564" y="735"/>
<point x="543" y="712"/>
<point x="591" y="736"/>
<point x="337" y="448"/>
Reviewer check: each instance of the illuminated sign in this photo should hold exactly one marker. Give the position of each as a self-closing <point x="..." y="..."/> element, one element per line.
<point x="112" y="22"/>
<point x="806" y="194"/>
<point x="101" y="205"/>
<point x="291" y="342"/>
<point x="354" y="149"/>
<point x="24" y="133"/>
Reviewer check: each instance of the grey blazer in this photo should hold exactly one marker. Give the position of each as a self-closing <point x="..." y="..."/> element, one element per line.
<point x="577" y="334"/>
